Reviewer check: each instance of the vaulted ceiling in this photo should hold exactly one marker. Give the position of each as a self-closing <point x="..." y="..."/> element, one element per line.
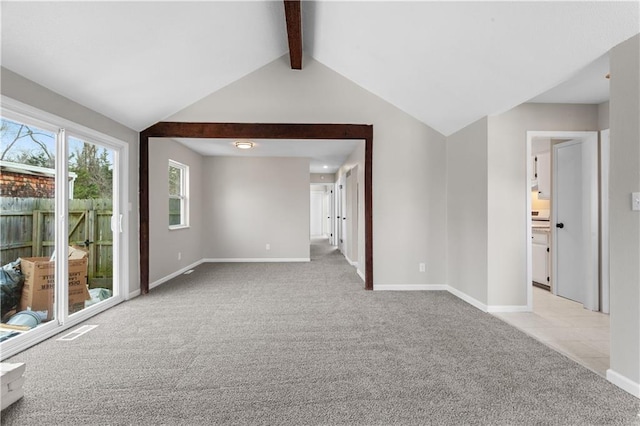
<point x="445" y="63"/>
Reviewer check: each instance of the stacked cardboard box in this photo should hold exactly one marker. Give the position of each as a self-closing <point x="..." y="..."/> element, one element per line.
<point x="38" y="289"/>
<point x="11" y="381"/>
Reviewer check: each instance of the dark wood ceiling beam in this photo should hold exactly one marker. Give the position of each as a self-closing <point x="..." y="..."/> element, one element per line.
<point x="294" y="32"/>
<point x="258" y="130"/>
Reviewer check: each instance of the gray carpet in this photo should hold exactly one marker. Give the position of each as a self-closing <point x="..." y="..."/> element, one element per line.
<point x="300" y="344"/>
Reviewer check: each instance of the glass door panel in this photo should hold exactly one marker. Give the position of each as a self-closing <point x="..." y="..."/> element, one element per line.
<point x="27" y="227"/>
<point x="91" y="223"/>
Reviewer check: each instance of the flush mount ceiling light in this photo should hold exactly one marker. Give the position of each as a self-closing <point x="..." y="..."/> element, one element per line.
<point x="244" y="144"/>
<point x="325" y="167"/>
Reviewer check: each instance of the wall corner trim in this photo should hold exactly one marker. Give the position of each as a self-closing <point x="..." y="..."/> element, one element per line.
<point x="361" y="274"/>
<point x="624" y="383"/>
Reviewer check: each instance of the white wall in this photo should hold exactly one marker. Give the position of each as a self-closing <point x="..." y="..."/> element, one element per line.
<point x="30" y="93"/>
<point x="165" y="244"/>
<point x="317" y="213"/>
<point x="322" y="178"/>
<point x="623" y="222"/>
<point x="251" y="202"/>
<point x="409" y="204"/>
<point x="467" y="210"/>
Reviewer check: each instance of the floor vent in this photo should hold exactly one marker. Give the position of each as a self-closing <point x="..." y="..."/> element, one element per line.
<point x="77" y="333"/>
<point x="188" y="272"/>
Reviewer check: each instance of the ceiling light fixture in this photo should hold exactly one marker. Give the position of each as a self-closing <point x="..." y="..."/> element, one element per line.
<point x="325" y="167"/>
<point x="244" y="144"/>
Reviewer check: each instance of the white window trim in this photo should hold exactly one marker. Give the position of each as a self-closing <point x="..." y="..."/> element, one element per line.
<point x="184" y="197"/>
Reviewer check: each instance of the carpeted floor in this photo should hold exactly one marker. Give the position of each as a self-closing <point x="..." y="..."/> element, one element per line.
<point x="301" y="344"/>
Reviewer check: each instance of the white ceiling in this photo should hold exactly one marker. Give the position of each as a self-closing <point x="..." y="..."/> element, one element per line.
<point x="445" y="63"/>
<point x="331" y="153"/>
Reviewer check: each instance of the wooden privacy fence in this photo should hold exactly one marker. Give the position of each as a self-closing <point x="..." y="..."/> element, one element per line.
<point x="28" y="230"/>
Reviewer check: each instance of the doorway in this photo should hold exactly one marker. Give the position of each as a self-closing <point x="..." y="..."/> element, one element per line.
<point x="261" y="131"/>
<point x="572" y="188"/>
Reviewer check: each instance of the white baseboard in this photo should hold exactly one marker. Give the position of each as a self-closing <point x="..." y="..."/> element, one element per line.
<point x="163" y="280"/>
<point x="508" y="308"/>
<point x="444" y="287"/>
<point x="256" y="259"/>
<point x="624" y="383"/>
<point x="361" y="274"/>
<point x="133" y="294"/>
<point x="470" y="300"/>
<point x="409" y="287"/>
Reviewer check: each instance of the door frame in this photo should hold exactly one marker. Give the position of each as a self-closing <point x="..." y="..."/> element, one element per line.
<point x="258" y="131"/>
<point x="531" y="134"/>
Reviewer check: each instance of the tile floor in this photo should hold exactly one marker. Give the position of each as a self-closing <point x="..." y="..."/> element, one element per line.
<point x="567" y="327"/>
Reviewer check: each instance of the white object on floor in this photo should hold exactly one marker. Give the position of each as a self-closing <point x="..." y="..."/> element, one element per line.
<point x="11" y="381"/>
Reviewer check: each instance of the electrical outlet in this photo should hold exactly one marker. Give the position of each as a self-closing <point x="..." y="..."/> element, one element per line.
<point x="268" y="246"/>
<point x="422" y="267"/>
<point x="635" y="201"/>
<point x="179" y="256"/>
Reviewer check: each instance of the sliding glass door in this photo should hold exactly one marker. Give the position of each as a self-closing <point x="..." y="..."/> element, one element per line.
<point x="61" y="198"/>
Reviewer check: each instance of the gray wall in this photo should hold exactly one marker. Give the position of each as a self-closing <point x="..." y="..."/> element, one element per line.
<point x="507" y="181"/>
<point x="165" y="244"/>
<point x="467" y="210"/>
<point x="19" y="88"/>
<point x="603" y="116"/>
<point x="486" y="172"/>
<point x="623" y="222"/>
<point x="249" y="202"/>
<point x="409" y="197"/>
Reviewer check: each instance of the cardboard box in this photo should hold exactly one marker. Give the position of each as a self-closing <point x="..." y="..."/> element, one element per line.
<point x="38" y="289"/>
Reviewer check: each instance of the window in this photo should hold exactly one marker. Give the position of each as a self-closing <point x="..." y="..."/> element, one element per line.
<point x="178" y="192"/>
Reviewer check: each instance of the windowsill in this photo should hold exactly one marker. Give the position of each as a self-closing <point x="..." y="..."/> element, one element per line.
<point x="176" y="227"/>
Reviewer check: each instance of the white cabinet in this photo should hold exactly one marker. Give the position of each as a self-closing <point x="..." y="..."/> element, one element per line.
<point x="543" y="175"/>
<point x="540" y="254"/>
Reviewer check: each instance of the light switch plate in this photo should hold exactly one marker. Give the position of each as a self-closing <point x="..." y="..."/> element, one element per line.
<point x="635" y="201"/>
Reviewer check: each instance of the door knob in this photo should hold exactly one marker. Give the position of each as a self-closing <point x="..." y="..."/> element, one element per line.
<point x="560" y="225"/>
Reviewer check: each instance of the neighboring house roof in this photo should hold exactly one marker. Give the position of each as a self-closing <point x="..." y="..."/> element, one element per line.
<point x="27" y="181"/>
<point x="28" y="169"/>
<point x="445" y="63"/>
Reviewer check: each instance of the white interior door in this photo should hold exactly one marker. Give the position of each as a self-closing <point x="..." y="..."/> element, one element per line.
<point x="575" y="226"/>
